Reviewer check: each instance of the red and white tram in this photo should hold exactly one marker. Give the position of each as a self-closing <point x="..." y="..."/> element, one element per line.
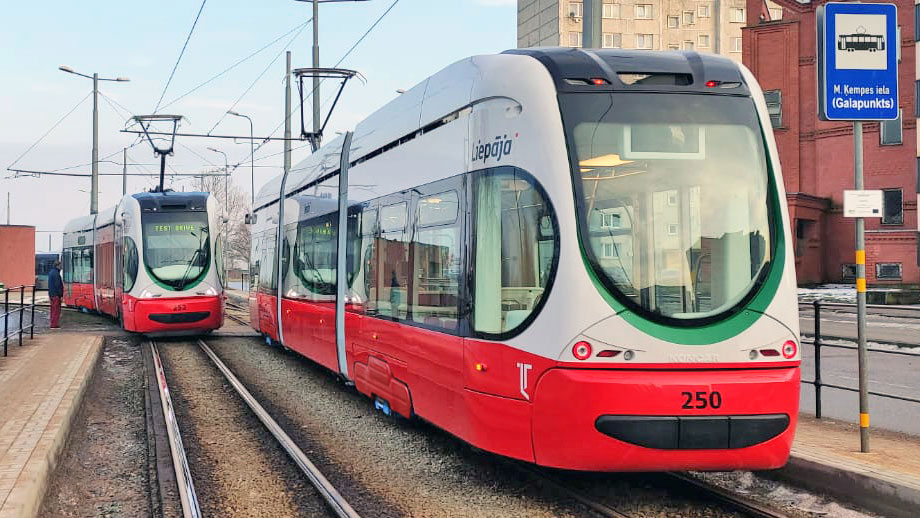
<point x="152" y="262"/>
<point x="574" y="258"/>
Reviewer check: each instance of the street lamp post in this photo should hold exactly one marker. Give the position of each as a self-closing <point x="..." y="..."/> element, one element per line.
<point x="252" y="158"/>
<point x="94" y="196"/>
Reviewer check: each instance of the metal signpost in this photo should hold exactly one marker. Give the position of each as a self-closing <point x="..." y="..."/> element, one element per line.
<point x="858" y="81"/>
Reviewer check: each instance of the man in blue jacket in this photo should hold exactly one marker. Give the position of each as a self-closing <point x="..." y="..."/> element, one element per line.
<point x="55" y="292"/>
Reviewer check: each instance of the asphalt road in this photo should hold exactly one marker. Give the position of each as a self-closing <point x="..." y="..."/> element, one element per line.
<point x="888" y="373"/>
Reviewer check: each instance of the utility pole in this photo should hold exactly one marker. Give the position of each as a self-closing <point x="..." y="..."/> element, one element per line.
<point x="861" y="352"/>
<point x="124" y="172"/>
<point x="287" y="115"/>
<point x="591" y="35"/>
<point x="315" y="141"/>
<point x="94" y="197"/>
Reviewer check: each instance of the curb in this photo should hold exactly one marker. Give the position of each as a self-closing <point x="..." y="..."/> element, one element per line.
<point x="876" y="492"/>
<point x="40" y="471"/>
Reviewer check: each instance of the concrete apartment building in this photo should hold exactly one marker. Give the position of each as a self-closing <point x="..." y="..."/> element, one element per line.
<point x="701" y="25"/>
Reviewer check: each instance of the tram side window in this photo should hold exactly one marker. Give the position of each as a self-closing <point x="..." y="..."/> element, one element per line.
<point x="255" y="257"/>
<point x="66" y="264"/>
<point x="267" y="279"/>
<point x="391" y="268"/>
<point x="80" y="265"/>
<point x="130" y="258"/>
<point x="435" y="255"/>
<point x="515" y="249"/>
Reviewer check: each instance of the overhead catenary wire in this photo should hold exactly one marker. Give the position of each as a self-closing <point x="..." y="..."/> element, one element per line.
<point x="238" y="63"/>
<point x="181" y="53"/>
<point x="259" y="77"/>
<point x="344" y="56"/>
<point x="56" y="124"/>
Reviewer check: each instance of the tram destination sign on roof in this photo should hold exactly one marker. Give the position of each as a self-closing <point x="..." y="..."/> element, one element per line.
<point x="857" y="61"/>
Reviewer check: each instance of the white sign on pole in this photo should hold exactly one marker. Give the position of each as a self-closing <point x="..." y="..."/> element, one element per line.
<point x="862" y="204"/>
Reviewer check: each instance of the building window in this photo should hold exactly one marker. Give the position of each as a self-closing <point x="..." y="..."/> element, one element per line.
<point x="803" y="232"/>
<point x="613" y="40"/>
<point x="688" y="45"/>
<point x="608" y="249"/>
<point x="736" y="44"/>
<point x="688" y="18"/>
<point x="576" y="9"/>
<point x="737" y="14"/>
<point x="776" y="14"/>
<point x="704" y="11"/>
<point x="774" y="99"/>
<point x="917" y="97"/>
<point x="890" y="132"/>
<point x="887" y="270"/>
<point x="610" y="220"/>
<point x="574" y="39"/>
<point x="611" y="11"/>
<point x="673" y="46"/>
<point x="673" y="22"/>
<point x="643" y="41"/>
<point x="672" y="229"/>
<point x="892" y="207"/>
<point x="643" y="11"/>
<point x="916" y="22"/>
<point x="848" y="272"/>
<point x="703" y="40"/>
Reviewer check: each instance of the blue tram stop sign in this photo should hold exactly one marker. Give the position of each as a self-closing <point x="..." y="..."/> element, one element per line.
<point x="857" y="61"/>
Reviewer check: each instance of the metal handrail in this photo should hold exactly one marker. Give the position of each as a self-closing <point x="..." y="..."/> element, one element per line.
<point x="818" y="384"/>
<point x="21" y="309"/>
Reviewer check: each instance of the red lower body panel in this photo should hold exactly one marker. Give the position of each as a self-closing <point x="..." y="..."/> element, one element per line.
<point x="173" y="315"/>
<point x="79" y="296"/>
<point x="568" y="403"/>
<point x="513" y="403"/>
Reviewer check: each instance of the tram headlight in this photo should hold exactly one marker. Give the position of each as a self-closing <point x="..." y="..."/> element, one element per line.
<point x="789" y="349"/>
<point x="582" y="350"/>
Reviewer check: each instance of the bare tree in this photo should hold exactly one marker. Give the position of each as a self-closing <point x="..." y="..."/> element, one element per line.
<point x="236" y="232"/>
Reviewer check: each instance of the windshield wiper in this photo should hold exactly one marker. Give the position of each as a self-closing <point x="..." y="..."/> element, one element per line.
<point x="183" y="281"/>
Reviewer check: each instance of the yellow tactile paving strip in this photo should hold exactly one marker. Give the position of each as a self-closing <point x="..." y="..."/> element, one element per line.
<point x="894" y="457"/>
<point x="40" y="388"/>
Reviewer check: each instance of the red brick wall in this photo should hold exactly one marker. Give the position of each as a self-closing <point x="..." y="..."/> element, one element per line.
<point x="817" y="156"/>
<point x="17" y="255"/>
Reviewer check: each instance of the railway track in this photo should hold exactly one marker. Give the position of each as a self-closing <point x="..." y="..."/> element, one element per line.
<point x="676" y="481"/>
<point x="236" y="318"/>
<point x="335" y="504"/>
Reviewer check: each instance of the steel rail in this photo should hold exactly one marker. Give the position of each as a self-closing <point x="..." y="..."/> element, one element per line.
<point x="187" y="496"/>
<point x="699" y="487"/>
<point x="743" y="504"/>
<point x="330" y="494"/>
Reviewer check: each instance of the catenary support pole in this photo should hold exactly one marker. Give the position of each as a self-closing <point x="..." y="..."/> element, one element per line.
<point x="862" y="359"/>
<point x="94" y="196"/>
<point x="287" y="116"/>
<point x="591" y="33"/>
<point x="316" y="115"/>
<point x="124" y="171"/>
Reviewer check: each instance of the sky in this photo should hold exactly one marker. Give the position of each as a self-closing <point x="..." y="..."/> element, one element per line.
<point x="142" y="41"/>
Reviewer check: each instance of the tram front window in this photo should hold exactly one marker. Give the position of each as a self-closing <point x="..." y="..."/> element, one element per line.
<point x="673" y="198"/>
<point x="177" y="248"/>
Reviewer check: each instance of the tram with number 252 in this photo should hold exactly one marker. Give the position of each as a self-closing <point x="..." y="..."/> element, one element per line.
<point x="153" y="262"/>
<point x="574" y="258"/>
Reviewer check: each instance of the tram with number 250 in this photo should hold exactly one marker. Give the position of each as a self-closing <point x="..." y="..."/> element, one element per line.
<point x="153" y="262"/>
<point x="574" y="258"/>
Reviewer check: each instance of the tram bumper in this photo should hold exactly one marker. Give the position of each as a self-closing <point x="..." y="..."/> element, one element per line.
<point x="176" y="315"/>
<point x="664" y="420"/>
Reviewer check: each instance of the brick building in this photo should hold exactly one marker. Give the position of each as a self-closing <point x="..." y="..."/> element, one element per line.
<point x="817" y="156"/>
<point x="17" y="255"/>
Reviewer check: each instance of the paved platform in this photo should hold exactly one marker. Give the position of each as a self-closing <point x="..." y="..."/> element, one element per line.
<point x="826" y="458"/>
<point x="41" y="385"/>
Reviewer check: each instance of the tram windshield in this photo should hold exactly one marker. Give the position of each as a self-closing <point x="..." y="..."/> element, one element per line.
<point x="177" y="248"/>
<point x="673" y="198"/>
